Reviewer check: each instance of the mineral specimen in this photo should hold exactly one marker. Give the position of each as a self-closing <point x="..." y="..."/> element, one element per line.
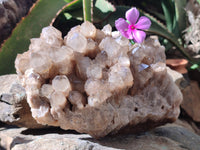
<point x="95" y="82"/>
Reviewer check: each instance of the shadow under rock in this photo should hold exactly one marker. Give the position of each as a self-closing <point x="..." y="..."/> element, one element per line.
<point x="181" y="135"/>
<point x="120" y="141"/>
<point x="160" y="138"/>
<point x="49" y="130"/>
<point x="1" y="148"/>
<point x="2" y="124"/>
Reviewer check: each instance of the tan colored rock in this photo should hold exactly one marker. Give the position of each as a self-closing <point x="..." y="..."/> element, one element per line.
<point x="14" y="109"/>
<point x="122" y="88"/>
<point x="191" y="100"/>
<point x="191" y="94"/>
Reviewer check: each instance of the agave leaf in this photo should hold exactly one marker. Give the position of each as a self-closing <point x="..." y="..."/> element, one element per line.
<point x="169" y="12"/>
<point x="175" y="15"/>
<point x="72" y="5"/>
<point x="180" y="15"/>
<point x="41" y="15"/>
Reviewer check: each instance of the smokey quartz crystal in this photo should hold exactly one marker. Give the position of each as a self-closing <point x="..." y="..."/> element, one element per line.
<point x="93" y="81"/>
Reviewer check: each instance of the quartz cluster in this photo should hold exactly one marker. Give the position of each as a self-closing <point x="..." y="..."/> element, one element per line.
<point x="95" y="82"/>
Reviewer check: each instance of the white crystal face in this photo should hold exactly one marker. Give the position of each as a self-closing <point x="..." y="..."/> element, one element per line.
<point x="39" y="63"/>
<point x="88" y="30"/>
<point x="82" y="64"/>
<point x="111" y="47"/>
<point x="58" y="100"/>
<point x="77" y="42"/>
<point x="94" y="71"/>
<point x="77" y="99"/>
<point x="46" y="90"/>
<point x="107" y="29"/>
<point x="61" y="84"/>
<point x="52" y="36"/>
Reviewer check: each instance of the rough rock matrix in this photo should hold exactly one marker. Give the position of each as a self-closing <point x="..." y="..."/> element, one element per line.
<point x="95" y="82"/>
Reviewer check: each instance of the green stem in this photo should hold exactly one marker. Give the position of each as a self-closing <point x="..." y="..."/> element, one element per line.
<point x="88" y="10"/>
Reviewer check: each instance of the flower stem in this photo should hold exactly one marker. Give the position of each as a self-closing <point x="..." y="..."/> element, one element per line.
<point x="132" y="42"/>
<point x="88" y="10"/>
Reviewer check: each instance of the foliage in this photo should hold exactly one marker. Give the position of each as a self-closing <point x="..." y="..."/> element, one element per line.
<point x="167" y="16"/>
<point x="28" y="28"/>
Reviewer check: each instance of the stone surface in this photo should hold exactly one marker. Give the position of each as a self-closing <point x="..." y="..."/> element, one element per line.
<point x="191" y="100"/>
<point x="169" y="137"/>
<point x="121" y="87"/>
<point x="13" y="105"/>
<point x="191" y="94"/>
<point x="11" y="12"/>
<point x="176" y="77"/>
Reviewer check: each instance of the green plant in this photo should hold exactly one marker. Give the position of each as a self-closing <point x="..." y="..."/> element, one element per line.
<point x="168" y="22"/>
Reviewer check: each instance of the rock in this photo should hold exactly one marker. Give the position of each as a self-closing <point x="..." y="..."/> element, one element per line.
<point x="11" y="12"/>
<point x="6" y="82"/>
<point x="191" y="93"/>
<point x="182" y="81"/>
<point x="191" y="100"/>
<point x="176" y="76"/>
<point x="122" y="87"/>
<point x="185" y="138"/>
<point x="170" y="137"/>
<point x="13" y="105"/>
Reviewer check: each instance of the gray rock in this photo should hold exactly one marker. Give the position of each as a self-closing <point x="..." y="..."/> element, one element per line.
<point x="14" y="108"/>
<point x="168" y="137"/>
<point x="185" y="138"/>
<point x="11" y="12"/>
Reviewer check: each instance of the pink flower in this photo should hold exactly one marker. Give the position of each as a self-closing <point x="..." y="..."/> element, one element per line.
<point x="132" y="30"/>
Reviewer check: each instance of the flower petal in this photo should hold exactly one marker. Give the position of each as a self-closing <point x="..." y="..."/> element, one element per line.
<point x="132" y="15"/>
<point x="143" y="23"/>
<point x="138" y="36"/>
<point x="122" y="26"/>
<point x="129" y="34"/>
